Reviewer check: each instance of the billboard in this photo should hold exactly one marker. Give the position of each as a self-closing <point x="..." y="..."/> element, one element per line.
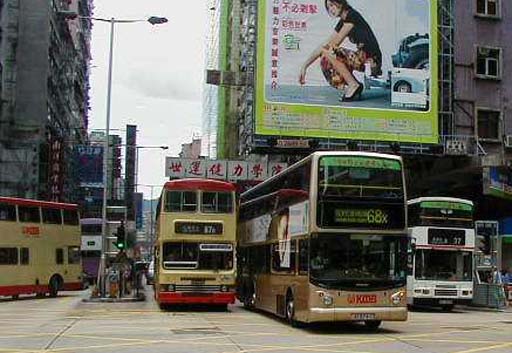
<point x="90" y="160"/>
<point x="367" y="71"/>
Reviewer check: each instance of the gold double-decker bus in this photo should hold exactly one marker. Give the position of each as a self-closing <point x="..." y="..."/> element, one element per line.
<point x="39" y="247"/>
<point x="326" y="240"/>
<point x="196" y="240"/>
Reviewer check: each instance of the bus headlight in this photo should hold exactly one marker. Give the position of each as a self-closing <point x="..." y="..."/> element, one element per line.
<point x="328" y="300"/>
<point x="397" y="297"/>
<point x="167" y="288"/>
<point x="224" y="288"/>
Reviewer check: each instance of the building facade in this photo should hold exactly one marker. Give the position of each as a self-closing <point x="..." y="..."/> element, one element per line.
<point x="44" y="57"/>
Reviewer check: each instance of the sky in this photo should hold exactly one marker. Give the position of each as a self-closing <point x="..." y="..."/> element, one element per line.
<point x="158" y="75"/>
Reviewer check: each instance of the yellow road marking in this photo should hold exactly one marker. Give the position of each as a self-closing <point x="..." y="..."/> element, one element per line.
<point x="488" y="348"/>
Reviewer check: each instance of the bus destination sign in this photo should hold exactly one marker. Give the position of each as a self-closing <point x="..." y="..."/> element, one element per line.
<point x="437" y="236"/>
<point x="361" y="216"/>
<point x="198" y="228"/>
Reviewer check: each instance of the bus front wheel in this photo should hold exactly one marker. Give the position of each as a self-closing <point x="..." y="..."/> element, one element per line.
<point x="290" y="310"/>
<point x="54" y="286"/>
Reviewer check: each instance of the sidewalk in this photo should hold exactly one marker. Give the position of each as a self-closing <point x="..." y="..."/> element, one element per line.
<point x="134" y="296"/>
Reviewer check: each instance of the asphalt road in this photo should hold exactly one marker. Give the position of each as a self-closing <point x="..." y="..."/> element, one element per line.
<point x="66" y="324"/>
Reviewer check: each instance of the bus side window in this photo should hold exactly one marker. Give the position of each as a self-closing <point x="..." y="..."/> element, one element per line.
<point x="303" y="256"/>
<point x="73" y="255"/>
<point x="29" y="214"/>
<point x="71" y="217"/>
<point x="52" y="216"/>
<point x="59" y="256"/>
<point x="8" y="256"/>
<point x="24" y="256"/>
<point x="7" y="212"/>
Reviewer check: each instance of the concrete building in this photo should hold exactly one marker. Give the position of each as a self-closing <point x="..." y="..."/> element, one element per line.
<point x="44" y="58"/>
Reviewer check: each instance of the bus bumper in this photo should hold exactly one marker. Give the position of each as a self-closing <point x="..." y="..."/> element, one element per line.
<point x="195" y="298"/>
<point x="358" y="314"/>
<point x="73" y="286"/>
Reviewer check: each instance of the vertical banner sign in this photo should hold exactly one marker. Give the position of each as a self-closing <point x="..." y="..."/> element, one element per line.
<point x="131" y="155"/>
<point x="376" y="81"/>
<point x="138" y="201"/>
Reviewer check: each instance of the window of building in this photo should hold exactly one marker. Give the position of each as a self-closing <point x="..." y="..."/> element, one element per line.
<point x="8" y="256"/>
<point x="488" y="8"/>
<point x="71" y="217"/>
<point x="59" y="256"/>
<point x="7" y="212"/>
<point x="52" y="216"/>
<point x="488" y="124"/>
<point x="24" y="256"/>
<point x="29" y="214"/>
<point x="488" y="62"/>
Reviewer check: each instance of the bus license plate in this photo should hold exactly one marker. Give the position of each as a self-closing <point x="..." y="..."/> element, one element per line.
<point x="363" y="316"/>
<point x="441" y="301"/>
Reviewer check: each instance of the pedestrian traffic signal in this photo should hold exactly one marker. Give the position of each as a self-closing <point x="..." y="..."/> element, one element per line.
<point x="121" y="238"/>
<point x="485" y="244"/>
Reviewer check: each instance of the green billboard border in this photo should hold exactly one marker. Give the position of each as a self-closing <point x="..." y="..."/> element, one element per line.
<point x="223" y="65"/>
<point x="359" y="114"/>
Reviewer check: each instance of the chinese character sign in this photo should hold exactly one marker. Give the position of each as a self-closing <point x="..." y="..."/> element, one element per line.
<point x="195" y="168"/>
<point x="174" y="168"/>
<point x="216" y="170"/>
<point x="237" y="170"/>
<point x="90" y="165"/>
<point x="257" y="171"/>
<point x="275" y="168"/>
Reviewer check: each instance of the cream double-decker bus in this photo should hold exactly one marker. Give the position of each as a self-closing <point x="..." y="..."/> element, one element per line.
<point x="196" y="240"/>
<point x="326" y="240"/>
<point x="39" y="247"/>
<point x="443" y="237"/>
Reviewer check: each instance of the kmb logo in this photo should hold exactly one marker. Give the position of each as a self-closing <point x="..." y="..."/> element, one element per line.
<point x="362" y="299"/>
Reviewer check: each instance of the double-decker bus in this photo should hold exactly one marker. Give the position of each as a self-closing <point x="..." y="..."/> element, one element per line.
<point x="39" y="247"/>
<point x="326" y="240"/>
<point x="195" y="245"/>
<point x="443" y="239"/>
<point x="91" y="229"/>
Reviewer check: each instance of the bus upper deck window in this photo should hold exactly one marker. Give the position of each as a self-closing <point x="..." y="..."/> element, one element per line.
<point x="29" y="214"/>
<point x="217" y="202"/>
<point x="181" y="201"/>
<point x="52" y="216"/>
<point x="7" y="212"/>
<point x="71" y="217"/>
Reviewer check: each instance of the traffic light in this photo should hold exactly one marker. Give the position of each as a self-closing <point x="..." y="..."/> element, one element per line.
<point x="121" y="237"/>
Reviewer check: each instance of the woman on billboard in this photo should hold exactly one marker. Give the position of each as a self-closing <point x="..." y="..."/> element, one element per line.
<point x="338" y="63"/>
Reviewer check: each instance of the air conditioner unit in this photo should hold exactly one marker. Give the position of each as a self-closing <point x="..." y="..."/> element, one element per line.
<point x="508" y="141"/>
<point x="455" y="147"/>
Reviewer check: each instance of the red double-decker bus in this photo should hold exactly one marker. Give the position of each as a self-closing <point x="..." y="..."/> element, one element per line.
<point x="196" y="240"/>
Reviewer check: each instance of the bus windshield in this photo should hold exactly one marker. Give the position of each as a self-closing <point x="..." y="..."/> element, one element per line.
<point x="197" y="256"/>
<point x="361" y="177"/>
<point x="443" y="265"/>
<point x="358" y="261"/>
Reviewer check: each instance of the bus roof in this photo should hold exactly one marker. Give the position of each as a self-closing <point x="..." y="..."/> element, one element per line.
<point x="439" y="198"/>
<point x="37" y="203"/>
<point x="201" y="184"/>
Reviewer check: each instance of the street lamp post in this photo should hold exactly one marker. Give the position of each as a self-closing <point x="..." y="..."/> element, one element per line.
<point x="163" y="148"/>
<point x="154" y="21"/>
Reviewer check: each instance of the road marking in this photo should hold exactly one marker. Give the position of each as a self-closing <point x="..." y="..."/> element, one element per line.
<point x="488" y="348"/>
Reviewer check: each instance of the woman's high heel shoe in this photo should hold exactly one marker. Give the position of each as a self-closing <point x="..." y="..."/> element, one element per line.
<point x="354" y="96"/>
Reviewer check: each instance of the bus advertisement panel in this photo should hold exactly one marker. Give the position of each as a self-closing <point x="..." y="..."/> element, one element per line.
<point x="348" y="69"/>
<point x="326" y="240"/>
<point x="196" y="241"/>
<point x="443" y="239"/>
<point x="39" y="247"/>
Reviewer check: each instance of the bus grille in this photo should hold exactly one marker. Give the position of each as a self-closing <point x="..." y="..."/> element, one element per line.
<point x="197" y="288"/>
<point x="445" y="293"/>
